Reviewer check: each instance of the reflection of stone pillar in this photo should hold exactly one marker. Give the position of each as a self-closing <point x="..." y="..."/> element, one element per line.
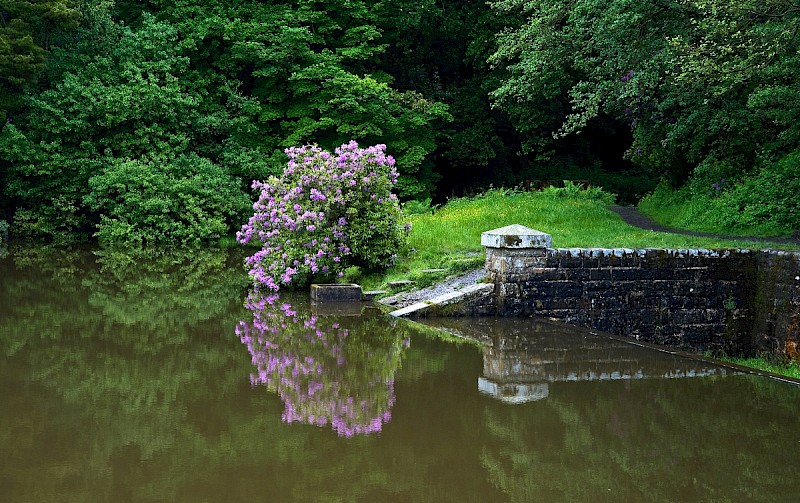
<point x="513" y="392"/>
<point x="337" y="308"/>
<point x="513" y="253"/>
<point x="515" y="365"/>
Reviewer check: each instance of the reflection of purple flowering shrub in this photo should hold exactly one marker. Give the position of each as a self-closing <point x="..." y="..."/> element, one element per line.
<point x="326" y="213"/>
<point x="325" y="374"/>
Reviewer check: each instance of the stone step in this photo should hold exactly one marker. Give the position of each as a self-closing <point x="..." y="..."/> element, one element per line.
<point x="373" y="294"/>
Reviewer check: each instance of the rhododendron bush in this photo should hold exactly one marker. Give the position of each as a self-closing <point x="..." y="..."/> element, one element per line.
<point x="324" y="214"/>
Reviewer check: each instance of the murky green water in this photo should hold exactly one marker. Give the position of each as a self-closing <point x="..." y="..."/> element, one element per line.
<point x="144" y="378"/>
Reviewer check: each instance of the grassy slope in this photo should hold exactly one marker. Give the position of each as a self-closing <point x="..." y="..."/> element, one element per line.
<point x="450" y="237"/>
<point x="690" y="208"/>
<point x="791" y="370"/>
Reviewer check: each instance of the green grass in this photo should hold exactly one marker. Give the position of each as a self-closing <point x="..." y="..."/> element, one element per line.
<point x="449" y="237"/>
<point x="692" y="208"/>
<point x="788" y="369"/>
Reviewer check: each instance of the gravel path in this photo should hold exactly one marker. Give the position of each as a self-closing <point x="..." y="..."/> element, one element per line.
<point x="632" y="216"/>
<point x="449" y="285"/>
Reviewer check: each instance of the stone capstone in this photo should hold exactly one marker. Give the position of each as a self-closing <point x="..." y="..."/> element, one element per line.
<point x="516" y="236"/>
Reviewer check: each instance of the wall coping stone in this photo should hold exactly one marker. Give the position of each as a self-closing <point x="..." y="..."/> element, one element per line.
<point x="516" y="236"/>
<point x="642" y="252"/>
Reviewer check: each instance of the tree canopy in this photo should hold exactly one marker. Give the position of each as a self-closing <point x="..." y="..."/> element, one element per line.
<point x="118" y="115"/>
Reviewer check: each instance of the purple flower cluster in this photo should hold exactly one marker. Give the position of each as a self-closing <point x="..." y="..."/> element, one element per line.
<point x="315" y="369"/>
<point x="312" y="220"/>
<point x="718" y="187"/>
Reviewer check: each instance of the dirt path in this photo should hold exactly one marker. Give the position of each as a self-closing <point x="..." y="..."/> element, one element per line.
<point x="632" y="216"/>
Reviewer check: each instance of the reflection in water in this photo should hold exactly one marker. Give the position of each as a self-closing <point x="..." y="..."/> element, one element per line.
<point x="121" y="379"/>
<point x="522" y="356"/>
<point x="324" y="372"/>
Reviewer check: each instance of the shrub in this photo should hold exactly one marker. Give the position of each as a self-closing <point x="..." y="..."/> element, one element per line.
<point x="575" y="192"/>
<point x="768" y="199"/>
<point x="185" y="200"/>
<point x="763" y="202"/>
<point x="326" y="213"/>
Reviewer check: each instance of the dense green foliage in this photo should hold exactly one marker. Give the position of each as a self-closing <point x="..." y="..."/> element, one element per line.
<point x="761" y="203"/>
<point x="27" y="30"/>
<point x="183" y="200"/>
<point x="696" y="81"/>
<point x="464" y="94"/>
<point x="704" y="86"/>
<point x="176" y="108"/>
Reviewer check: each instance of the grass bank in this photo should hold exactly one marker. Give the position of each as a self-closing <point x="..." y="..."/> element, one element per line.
<point x="763" y="204"/>
<point x="682" y="209"/>
<point x="787" y="369"/>
<point x="449" y="237"/>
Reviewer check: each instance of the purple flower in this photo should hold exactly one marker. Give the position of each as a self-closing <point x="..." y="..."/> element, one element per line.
<point x="306" y="207"/>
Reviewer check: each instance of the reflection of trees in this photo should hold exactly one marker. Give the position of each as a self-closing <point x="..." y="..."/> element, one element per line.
<point x="112" y="405"/>
<point x="99" y="403"/>
<point x="645" y="441"/>
<point x="126" y="359"/>
<point x="157" y="289"/>
<point x="324" y="371"/>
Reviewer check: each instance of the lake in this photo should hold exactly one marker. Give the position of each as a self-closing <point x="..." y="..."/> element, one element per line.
<point x="159" y="376"/>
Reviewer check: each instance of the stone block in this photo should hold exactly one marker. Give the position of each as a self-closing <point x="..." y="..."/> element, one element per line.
<point x="458" y="303"/>
<point x="569" y="261"/>
<point x="600" y="274"/>
<point x="562" y="289"/>
<point x="629" y="274"/>
<point x="335" y="292"/>
<point x="602" y="287"/>
<point x="578" y="274"/>
<point x="373" y="294"/>
<point x="516" y="236"/>
<point x="698" y="335"/>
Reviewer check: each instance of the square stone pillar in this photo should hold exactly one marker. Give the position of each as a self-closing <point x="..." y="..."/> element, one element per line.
<point x="512" y="255"/>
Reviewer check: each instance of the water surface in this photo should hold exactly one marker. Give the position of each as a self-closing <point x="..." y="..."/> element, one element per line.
<point x="144" y="377"/>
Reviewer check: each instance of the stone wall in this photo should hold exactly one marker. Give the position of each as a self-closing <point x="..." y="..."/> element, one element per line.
<point x="732" y="301"/>
<point x="776" y="304"/>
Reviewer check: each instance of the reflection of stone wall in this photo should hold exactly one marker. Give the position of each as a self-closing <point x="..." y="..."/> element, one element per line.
<point x="566" y="356"/>
<point x="736" y="301"/>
